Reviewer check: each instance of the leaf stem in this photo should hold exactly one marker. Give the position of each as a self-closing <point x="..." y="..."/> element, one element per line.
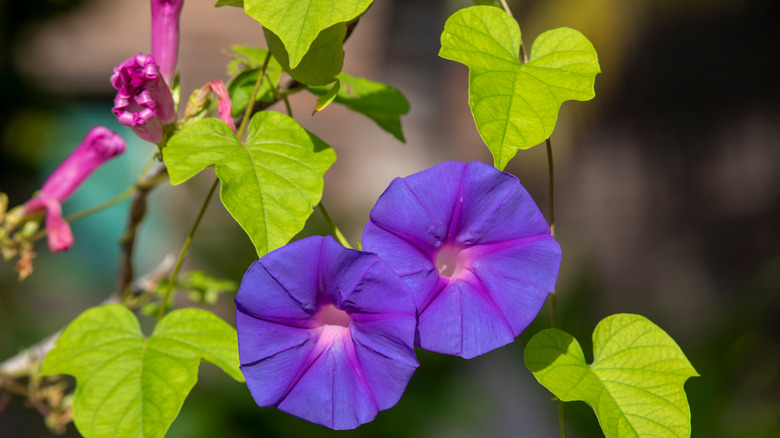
<point x="248" y="112"/>
<point x="336" y="232"/>
<point x="184" y="249"/>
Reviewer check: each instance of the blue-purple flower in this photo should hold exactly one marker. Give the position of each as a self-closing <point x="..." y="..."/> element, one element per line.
<point x="143" y="101"/>
<point x="325" y="333"/>
<point x="474" y="249"/>
<point x="165" y="35"/>
<point x="99" y="145"/>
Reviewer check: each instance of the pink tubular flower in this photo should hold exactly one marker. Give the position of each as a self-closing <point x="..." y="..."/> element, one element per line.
<point x="165" y="36"/>
<point x="99" y="145"/>
<point x="143" y="101"/>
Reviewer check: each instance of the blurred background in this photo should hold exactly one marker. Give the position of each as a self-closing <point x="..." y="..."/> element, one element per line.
<point x="667" y="196"/>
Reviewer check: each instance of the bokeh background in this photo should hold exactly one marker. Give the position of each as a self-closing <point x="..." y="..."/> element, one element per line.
<point x="667" y="196"/>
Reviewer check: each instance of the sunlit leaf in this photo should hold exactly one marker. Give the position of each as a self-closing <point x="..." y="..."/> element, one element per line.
<point x="298" y="22"/>
<point x="635" y="383"/>
<point x="380" y="102"/>
<point x="270" y="183"/>
<point x="321" y="63"/>
<point x="326" y="99"/>
<point x="515" y="105"/>
<point x="128" y="385"/>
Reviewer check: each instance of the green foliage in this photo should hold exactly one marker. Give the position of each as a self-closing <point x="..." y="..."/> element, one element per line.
<point x="270" y="182"/>
<point x="245" y="67"/>
<point x="321" y="63"/>
<point x="382" y="103"/>
<point x="515" y="105"/>
<point x="239" y="3"/>
<point x="132" y="386"/>
<point x="635" y="383"/>
<point x="298" y="22"/>
<point x="326" y="99"/>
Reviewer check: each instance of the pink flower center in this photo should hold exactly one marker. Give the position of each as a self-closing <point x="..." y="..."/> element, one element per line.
<point x="450" y="261"/>
<point x="330" y="315"/>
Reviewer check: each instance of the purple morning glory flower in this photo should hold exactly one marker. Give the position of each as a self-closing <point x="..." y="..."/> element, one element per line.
<point x="143" y="101"/>
<point x="474" y="249"/>
<point x="99" y="145"/>
<point x="165" y="35"/>
<point x="325" y="333"/>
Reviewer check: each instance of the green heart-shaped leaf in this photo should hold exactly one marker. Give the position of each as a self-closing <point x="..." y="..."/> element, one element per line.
<point x="298" y="22"/>
<point x="515" y="105"/>
<point x="635" y="383"/>
<point x="132" y="386"/>
<point x="270" y="183"/>
<point x="323" y="61"/>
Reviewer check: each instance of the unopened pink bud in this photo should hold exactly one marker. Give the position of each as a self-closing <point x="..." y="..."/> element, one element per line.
<point x="165" y="35"/>
<point x="225" y="104"/>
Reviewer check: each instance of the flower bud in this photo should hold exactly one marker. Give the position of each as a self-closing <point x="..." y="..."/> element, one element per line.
<point x="165" y="36"/>
<point x="143" y="101"/>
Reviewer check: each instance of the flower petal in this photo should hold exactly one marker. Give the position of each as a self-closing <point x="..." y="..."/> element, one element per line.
<point x="413" y="266"/>
<point x="331" y="391"/>
<point x="494" y="208"/>
<point x="58" y="234"/>
<point x="275" y="288"/>
<point x="270" y="379"/>
<point x="384" y="349"/>
<point x="418" y="208"/>
<point x="462" y="320"/>
<point x="358" y="281"/>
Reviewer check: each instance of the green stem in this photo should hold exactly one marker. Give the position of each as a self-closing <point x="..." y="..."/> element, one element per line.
<point x="184" y="250"/>
<point x="239" y="134"/>
<point x="336" y="232"/>
<point x="109" y="203"/>
<point x="553" y="300"/>
<point x="248" y="112"/>
<point x="553" y="296"/>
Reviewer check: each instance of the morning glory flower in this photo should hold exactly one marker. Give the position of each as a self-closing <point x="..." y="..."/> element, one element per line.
<point x="325" y="333"/>
<point x="99" y="145"/>
<point x="473" y="248"/>
<point x="143" y="101"/>
<point x="165" y="36"/>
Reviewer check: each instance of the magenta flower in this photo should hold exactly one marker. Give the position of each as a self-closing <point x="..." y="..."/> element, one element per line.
<point x="325" y="333"/>
<point x="225" y="106"/>
<point x="165" y="36"/>
<point x="143" y="101"/>
<point x="473" y="248"/>
<point x="99" y="145"/>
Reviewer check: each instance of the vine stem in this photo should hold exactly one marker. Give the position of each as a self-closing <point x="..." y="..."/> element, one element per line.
<point x="248" y="112"/>
<point x="551" y="173"/>
<point x="336" y="232"/>
<point x="553" y="301"/>
<point x="184" y="250"/>
<point x="188" y="241"/>
<point x="553" y="296"/>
